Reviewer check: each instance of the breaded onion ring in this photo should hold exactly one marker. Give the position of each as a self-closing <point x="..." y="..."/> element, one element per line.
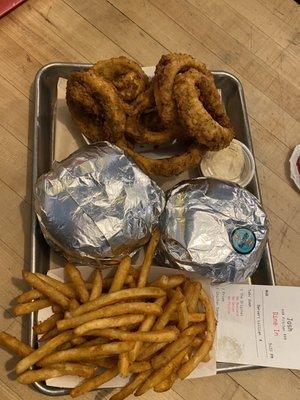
<point x="95" y="107"/>
<point x="165" y="166"/>
<point x="146" y="128"/>
<point x="165" y="73"/>
<point x="201" y="111"/>
<point x="126" y="75"/>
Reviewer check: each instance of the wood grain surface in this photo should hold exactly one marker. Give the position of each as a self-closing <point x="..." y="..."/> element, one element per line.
<point x="256" y="40"/>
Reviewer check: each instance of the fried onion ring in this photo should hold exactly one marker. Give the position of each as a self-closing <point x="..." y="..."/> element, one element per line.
<point x="165" y="73"/>
<point x="165" y="166"/>
<point x="126" y="75"/>
<point x="95" y="107"/>
<point x="201" y="111"/>
<point x="144" y="125"/>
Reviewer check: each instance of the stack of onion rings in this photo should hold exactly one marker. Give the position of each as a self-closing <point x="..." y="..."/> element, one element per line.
<point x="114" y="101"/>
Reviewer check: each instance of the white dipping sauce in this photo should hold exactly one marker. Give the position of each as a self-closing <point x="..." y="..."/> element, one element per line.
<point x="227" y="164"/>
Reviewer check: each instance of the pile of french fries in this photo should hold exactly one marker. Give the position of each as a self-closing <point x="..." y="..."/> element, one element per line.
<point x="157" y="331"/>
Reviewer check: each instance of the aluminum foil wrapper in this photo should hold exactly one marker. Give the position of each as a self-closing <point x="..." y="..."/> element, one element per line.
<point x="97" y="205"/>
<point x="215" y="228"/>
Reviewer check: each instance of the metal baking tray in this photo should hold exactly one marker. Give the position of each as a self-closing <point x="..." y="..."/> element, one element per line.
<point x="43" y="151"/>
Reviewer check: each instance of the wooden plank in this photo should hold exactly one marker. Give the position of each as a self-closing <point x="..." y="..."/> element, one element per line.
<point x="120" y="29"/>
<point x="265" y="20"/>
<point x="20" y="73"/>
<point x="285" y="205"/>
<point x="15" y="222"/>
<point x="15" y="165"/>
<point x="284" y="276"/>
<point x="270" y="383"/>
<point x="214" y="388"/>
<point x="13" y="99"/>
<point x="241" y="394"/>
<point x="270" y="151"/>
<point x="286" y="10"/>
<point x="257" y="42"/>
<point x="284" y="242"/>
<point x="52" y="20"/>
<point x="11" y="278"/>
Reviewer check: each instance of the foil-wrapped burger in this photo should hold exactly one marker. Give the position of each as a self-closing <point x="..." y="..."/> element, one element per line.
<point x="97" y="205"/>
<point x="215" y="228"/>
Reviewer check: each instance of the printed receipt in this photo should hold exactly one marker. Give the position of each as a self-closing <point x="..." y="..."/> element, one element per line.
<point x="258" y="325"/>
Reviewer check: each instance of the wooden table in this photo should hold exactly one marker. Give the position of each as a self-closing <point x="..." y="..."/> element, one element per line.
<point x="256" y="40"/>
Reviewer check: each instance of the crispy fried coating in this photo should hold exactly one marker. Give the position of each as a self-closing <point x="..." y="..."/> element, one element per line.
<point x="166" y="71"/>
<point x="165" y="166"/>
<point x="127" y="77"/>
<point x="95" y="107"/>
<point x="114" y="101"/>
<point x="201" y="111"/>
<point x="144" y="125"/>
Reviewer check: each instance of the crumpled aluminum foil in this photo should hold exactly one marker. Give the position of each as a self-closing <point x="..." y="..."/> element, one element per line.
<point x="215" y="228"/>
<point x="97" y="205"/>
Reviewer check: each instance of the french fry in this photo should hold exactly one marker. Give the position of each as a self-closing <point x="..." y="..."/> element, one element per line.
<point x="49" y="291"/>
<point x="170" y="351"/>
<point x="93" y="383"/>
<point x="92" y="342"/>
<point x="26" y="308"/>
<point x="137" y="367"/>
<point x="132" y="284"/>
<point x="15" y="345"/>
<point x="188" y="291"/>
<point x="159" y="336"/>
<point x="79" y="284"/>
<point x="131" y="386"/>
<point x="42" y="374"/>
<point x="144" y="271"/>
<point x="26" y="297"/>
<point x="65" y="346"/>
<point x="183" y="316"/>
<point x="117" y="297"/>
<point x="56" y="309"/>
<point x="146" y="326"/>
<point x="127" y="330"/>
<point x="43" y="351"/>
<point x="97" y="285"/>
<point x="49" y="335"/>
<point x="161" y="282"/>
<point x="89" y="353"/>
<point x="106" y="284"/>
<point x="193" y="301"/>
<point x="111" y="311"/>
<point x="120" y="275"/>
<point x="65" y="289"/>
<point x="78" y="341"/>
<point x="163" y="319"/>
<point x="73" y="304"/>
<point x="159" y="375"/>
<point x="151" y="349"/>
<point x="168" y="282"/>
<point x="204" y="349"/>
<point x="197" y="342"/>
<point x="121" y="320"/>
<point x="192" y="317"/>
<point x="47" y="325"/>
<point x="194" y="330"/>
<point x="107" y="362"/>
<point x="123" y="364"/>
<point x="166" y="384"/>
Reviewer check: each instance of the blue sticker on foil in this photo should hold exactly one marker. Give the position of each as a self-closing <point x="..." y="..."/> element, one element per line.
<point x="243" y="240"/>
